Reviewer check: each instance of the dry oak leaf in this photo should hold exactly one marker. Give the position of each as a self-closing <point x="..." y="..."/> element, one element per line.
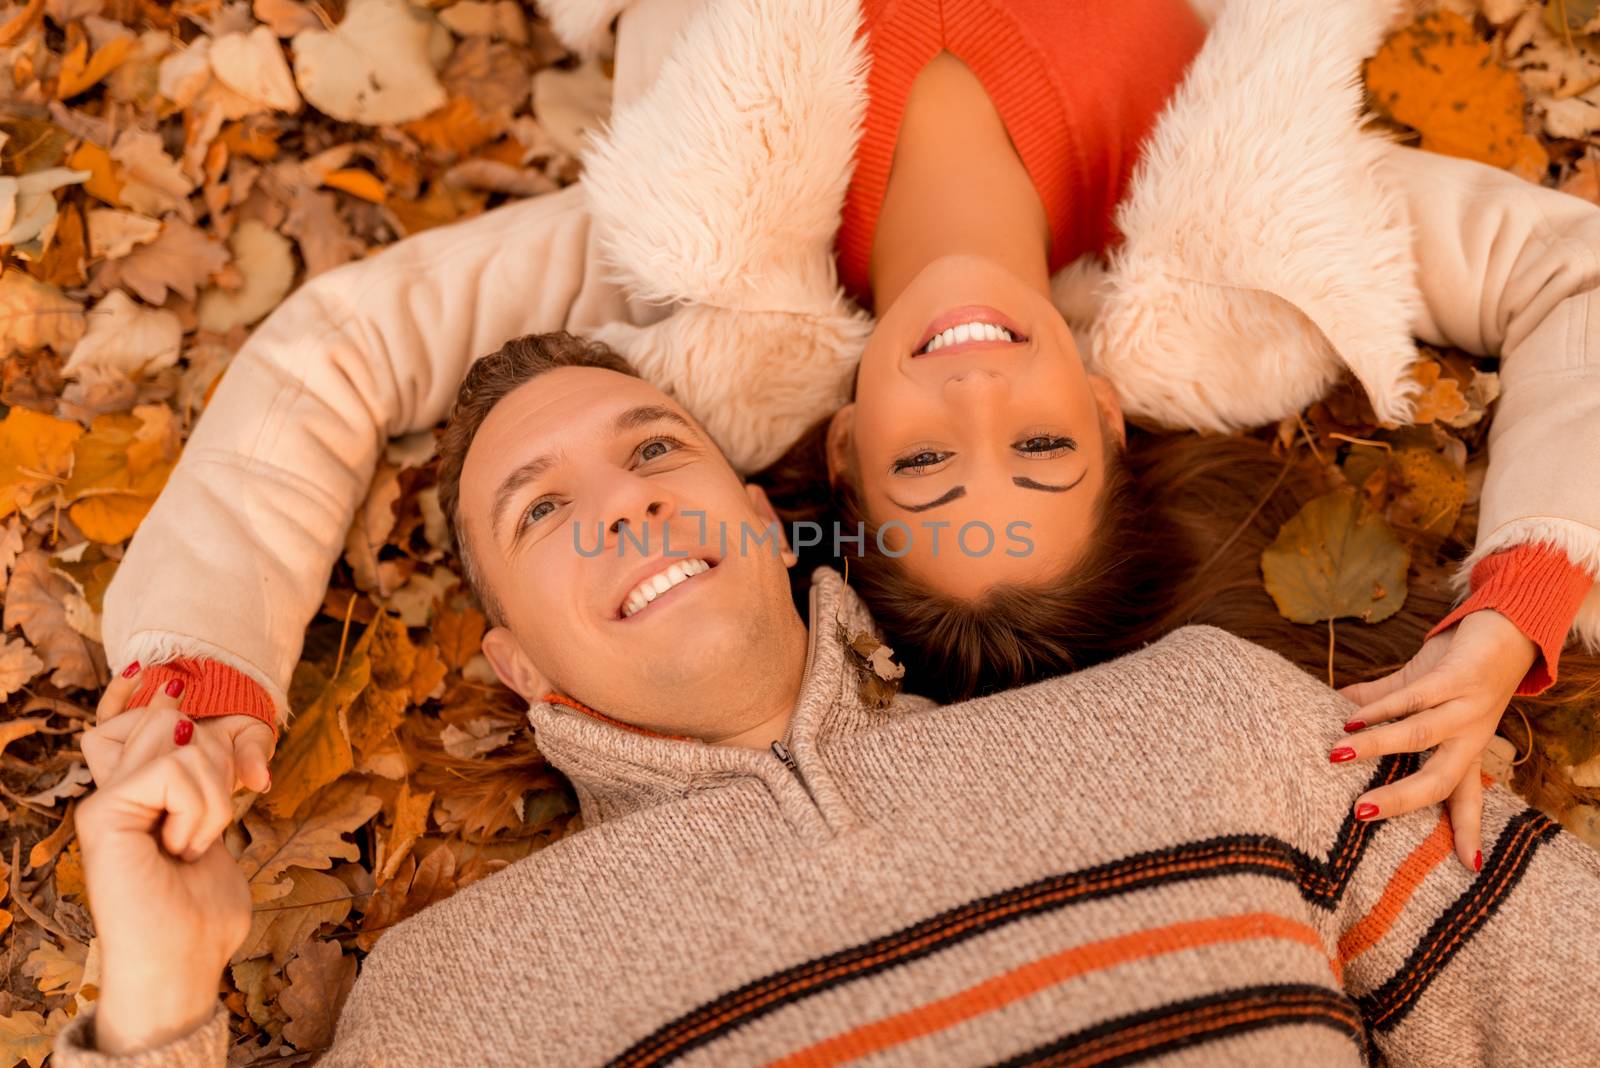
<point x="28" y="1036"/>
<point x="126" y="337"/>
<point x="459" y="634"/>
<point x="1440" y="78"/>
<point x="80" y="72"/>
<point x="17" y="666"/>
<point x="36" y="451"/>
<point x="75" y="783"/>
<point x="11" y="730"/>
<point x="373" y="69"/>
<point x="320" y="978"/>
<point x="454" y="129"/>
<point x="282" y="925"/>
<point x="1335" y="559"/>
<point x="113" y="234"/>
<point x="181" y="259"/>
<point x="263" y="257"/>
<point x="33" y="314"/>
<point x="325" y="241"/>
<point x="1433" y="491"/>
<point x="28" y="204"/>
<point x="410" y="823"/>
<point x="286" y="17"/>
<point x="56" y="970"/>
<point x="103" y="182"/>
<point x="121" y="466"/>
<point x="415" y="886"/>
<point x="313" y="837"/>
<point x="36" y="601"/>
<point x="152" y="183"/>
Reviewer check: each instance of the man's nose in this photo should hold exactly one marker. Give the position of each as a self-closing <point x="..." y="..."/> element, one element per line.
<point x="638" y="503"/>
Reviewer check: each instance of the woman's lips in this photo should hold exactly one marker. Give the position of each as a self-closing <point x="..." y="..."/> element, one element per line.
<point x="969" y="313"/>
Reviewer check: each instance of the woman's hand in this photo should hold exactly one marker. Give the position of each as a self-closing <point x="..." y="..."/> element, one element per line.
<point x="124" y="740"/>
<point x="167" y="925"/>
<point x="1450" y="698"/>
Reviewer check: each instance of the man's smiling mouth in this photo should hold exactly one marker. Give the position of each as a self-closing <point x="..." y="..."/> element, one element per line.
<point x="660" y="584"/>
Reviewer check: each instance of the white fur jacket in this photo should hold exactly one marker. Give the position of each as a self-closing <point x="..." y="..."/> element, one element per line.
<point x="1270" y="243"/>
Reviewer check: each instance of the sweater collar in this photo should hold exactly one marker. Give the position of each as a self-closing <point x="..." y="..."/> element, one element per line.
<point x="616" y="769"/>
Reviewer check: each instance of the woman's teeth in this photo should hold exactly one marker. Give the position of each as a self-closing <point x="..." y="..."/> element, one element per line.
<point x="681" y="571"/>
<point x="968" y="332"/>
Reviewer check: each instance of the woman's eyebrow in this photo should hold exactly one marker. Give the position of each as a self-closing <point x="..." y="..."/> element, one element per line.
<point x="944" y="498"/>
<point x="1027" y="483"/>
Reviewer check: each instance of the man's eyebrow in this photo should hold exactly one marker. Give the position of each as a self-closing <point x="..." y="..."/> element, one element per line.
<point x="513" y="482"/>
<point x="1027" y="483"/>
<point x="944" y="498"/>
<point x="645" y="414"/>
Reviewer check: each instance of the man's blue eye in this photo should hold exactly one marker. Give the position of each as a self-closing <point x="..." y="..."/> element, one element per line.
<point x="655" y="448"/>
<point x="538" y="511"/>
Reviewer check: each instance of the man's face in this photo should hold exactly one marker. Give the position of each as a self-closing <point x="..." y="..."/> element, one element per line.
<point x="584" y="493"/>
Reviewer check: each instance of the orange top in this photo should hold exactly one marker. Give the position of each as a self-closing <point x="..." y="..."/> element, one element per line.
<point x="1078" y="84"/>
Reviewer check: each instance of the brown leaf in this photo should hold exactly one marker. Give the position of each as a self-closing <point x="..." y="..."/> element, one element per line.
<point x="281" y="925"/>
<point x="1335" y="559"/>
<point x="320" y="978"/>
<point x="316" y="749"/>
<point x="415" y="886"/>
<point x="314" y="222"/>
<point x="34" y="314"/>
<point x="28" y="1036"/>
<point x="36" y="601"/>
<point x="312" y="838"/>
<point x="17" y="666"/>
<point x="1433" y="491"/>
<point x="408" y="823"/>
<point x="181" y="259"/>
<point x="1440" y="399"/>
<point x="369" y="531"/>
<point x="459" y="633"/>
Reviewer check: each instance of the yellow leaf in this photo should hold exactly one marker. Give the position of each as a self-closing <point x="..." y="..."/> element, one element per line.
<point x="36" y="451"/>
<point x="1434" y="491"/>
<point x="454" y="129"/>
<point x="1335" y="558"/>
<point x="57" y="970"/>
<point x="79" y="73"/>
<point x="110" y="518"/>
<point x="1443" y="80"/>
<point x="46" y="849"/>
<point x="357" y="183"/>
<point x="317" y="751"/>
<point x="124" y="454"/>
<point x="103" y="182"/>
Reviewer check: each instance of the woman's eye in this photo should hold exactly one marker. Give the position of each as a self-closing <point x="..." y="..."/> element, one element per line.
<point x="920" y="461"/>
<point x="1044" y="443"/>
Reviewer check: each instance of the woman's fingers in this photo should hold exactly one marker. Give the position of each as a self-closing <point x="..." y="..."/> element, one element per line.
<point x="1410" y="735"/>
<point x="252" y="754"/>
<point x="1432" y="783"/>
<point x="102" y="747"/>
<point x="1465" y="806"/>
<point x="1403" y="701"/>
<point x="212" y="770"/>
<point x="1364" y="693"/>
<point x="115" y="698"/>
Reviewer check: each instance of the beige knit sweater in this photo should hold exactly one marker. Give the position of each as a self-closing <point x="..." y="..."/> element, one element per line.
<point x="1150" y="857"/>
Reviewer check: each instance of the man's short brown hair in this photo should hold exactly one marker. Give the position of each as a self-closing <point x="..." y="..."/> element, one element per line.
<point x="490" y="379"/>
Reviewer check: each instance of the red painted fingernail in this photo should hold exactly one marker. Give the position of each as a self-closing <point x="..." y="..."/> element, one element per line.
<point x="182" y="731"/>
<point x="1366" y="812"/>
<point x="1341" y="754"/>
<point x="1477" y="861"/>
<point x="1355" y="725"/>
<point x="131" y="670"/>
<point x="174" y="687"/>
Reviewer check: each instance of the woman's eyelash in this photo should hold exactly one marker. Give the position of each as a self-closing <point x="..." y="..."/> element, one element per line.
<point x="1047" y="443"/>
<point x="915" y="461"/>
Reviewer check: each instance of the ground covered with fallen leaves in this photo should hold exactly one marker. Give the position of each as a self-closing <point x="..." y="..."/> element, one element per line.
<point x="169" y="172"/>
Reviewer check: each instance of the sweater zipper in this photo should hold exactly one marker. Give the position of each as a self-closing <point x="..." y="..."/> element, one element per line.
<point x="781" y="751"/>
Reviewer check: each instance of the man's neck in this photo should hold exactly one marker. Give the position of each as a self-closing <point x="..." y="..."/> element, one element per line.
<point x="766" y="708"/>
<point x="957" y="186"/>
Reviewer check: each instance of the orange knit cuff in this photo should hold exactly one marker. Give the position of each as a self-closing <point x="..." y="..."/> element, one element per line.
<point x="1540" y="590"/>
<point x="210" y="688"/>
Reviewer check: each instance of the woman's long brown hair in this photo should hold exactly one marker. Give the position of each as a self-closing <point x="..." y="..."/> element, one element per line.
<point x="1219" y="501"/>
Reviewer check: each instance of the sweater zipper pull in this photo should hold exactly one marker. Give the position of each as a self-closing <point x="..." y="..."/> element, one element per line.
<point x="781" y="751"/>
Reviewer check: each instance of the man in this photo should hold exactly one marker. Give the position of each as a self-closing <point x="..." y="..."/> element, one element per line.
<point x="775" y="869"/>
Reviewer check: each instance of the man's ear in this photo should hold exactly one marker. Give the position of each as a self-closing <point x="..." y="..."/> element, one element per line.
<point x="763" y="507"/>
<point x="1105" y="396"/>
<point x="505" y="655"/>
<point x="841" y="431"/>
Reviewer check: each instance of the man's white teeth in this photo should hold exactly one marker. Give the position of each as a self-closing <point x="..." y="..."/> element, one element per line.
<point x="969" y="332"/>
<point x="661" y="582"/>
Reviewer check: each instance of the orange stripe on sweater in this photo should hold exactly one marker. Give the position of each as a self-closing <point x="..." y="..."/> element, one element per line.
<point x="1030" y="978"/>
<point x="1370" y="929"/>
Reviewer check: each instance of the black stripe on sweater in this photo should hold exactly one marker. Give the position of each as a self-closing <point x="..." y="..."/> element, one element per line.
<point x="1386" y="1006"/>
<point x="1187" y="1024"/>
<point x="1320" y="882"/>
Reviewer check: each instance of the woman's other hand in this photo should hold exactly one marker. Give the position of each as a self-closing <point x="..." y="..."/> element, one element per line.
<point x="167" y="925"/>
<point x="124" y="740"/>
<point x="1448" y="698"/>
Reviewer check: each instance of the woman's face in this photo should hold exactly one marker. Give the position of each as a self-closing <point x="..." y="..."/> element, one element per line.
<point x="980" y="454"/>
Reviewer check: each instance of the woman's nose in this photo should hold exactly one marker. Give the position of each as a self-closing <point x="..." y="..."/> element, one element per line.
<point x="976" y="389"/>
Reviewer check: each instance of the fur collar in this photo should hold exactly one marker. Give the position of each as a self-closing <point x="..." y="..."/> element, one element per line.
<point x="1262" y="256"/>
